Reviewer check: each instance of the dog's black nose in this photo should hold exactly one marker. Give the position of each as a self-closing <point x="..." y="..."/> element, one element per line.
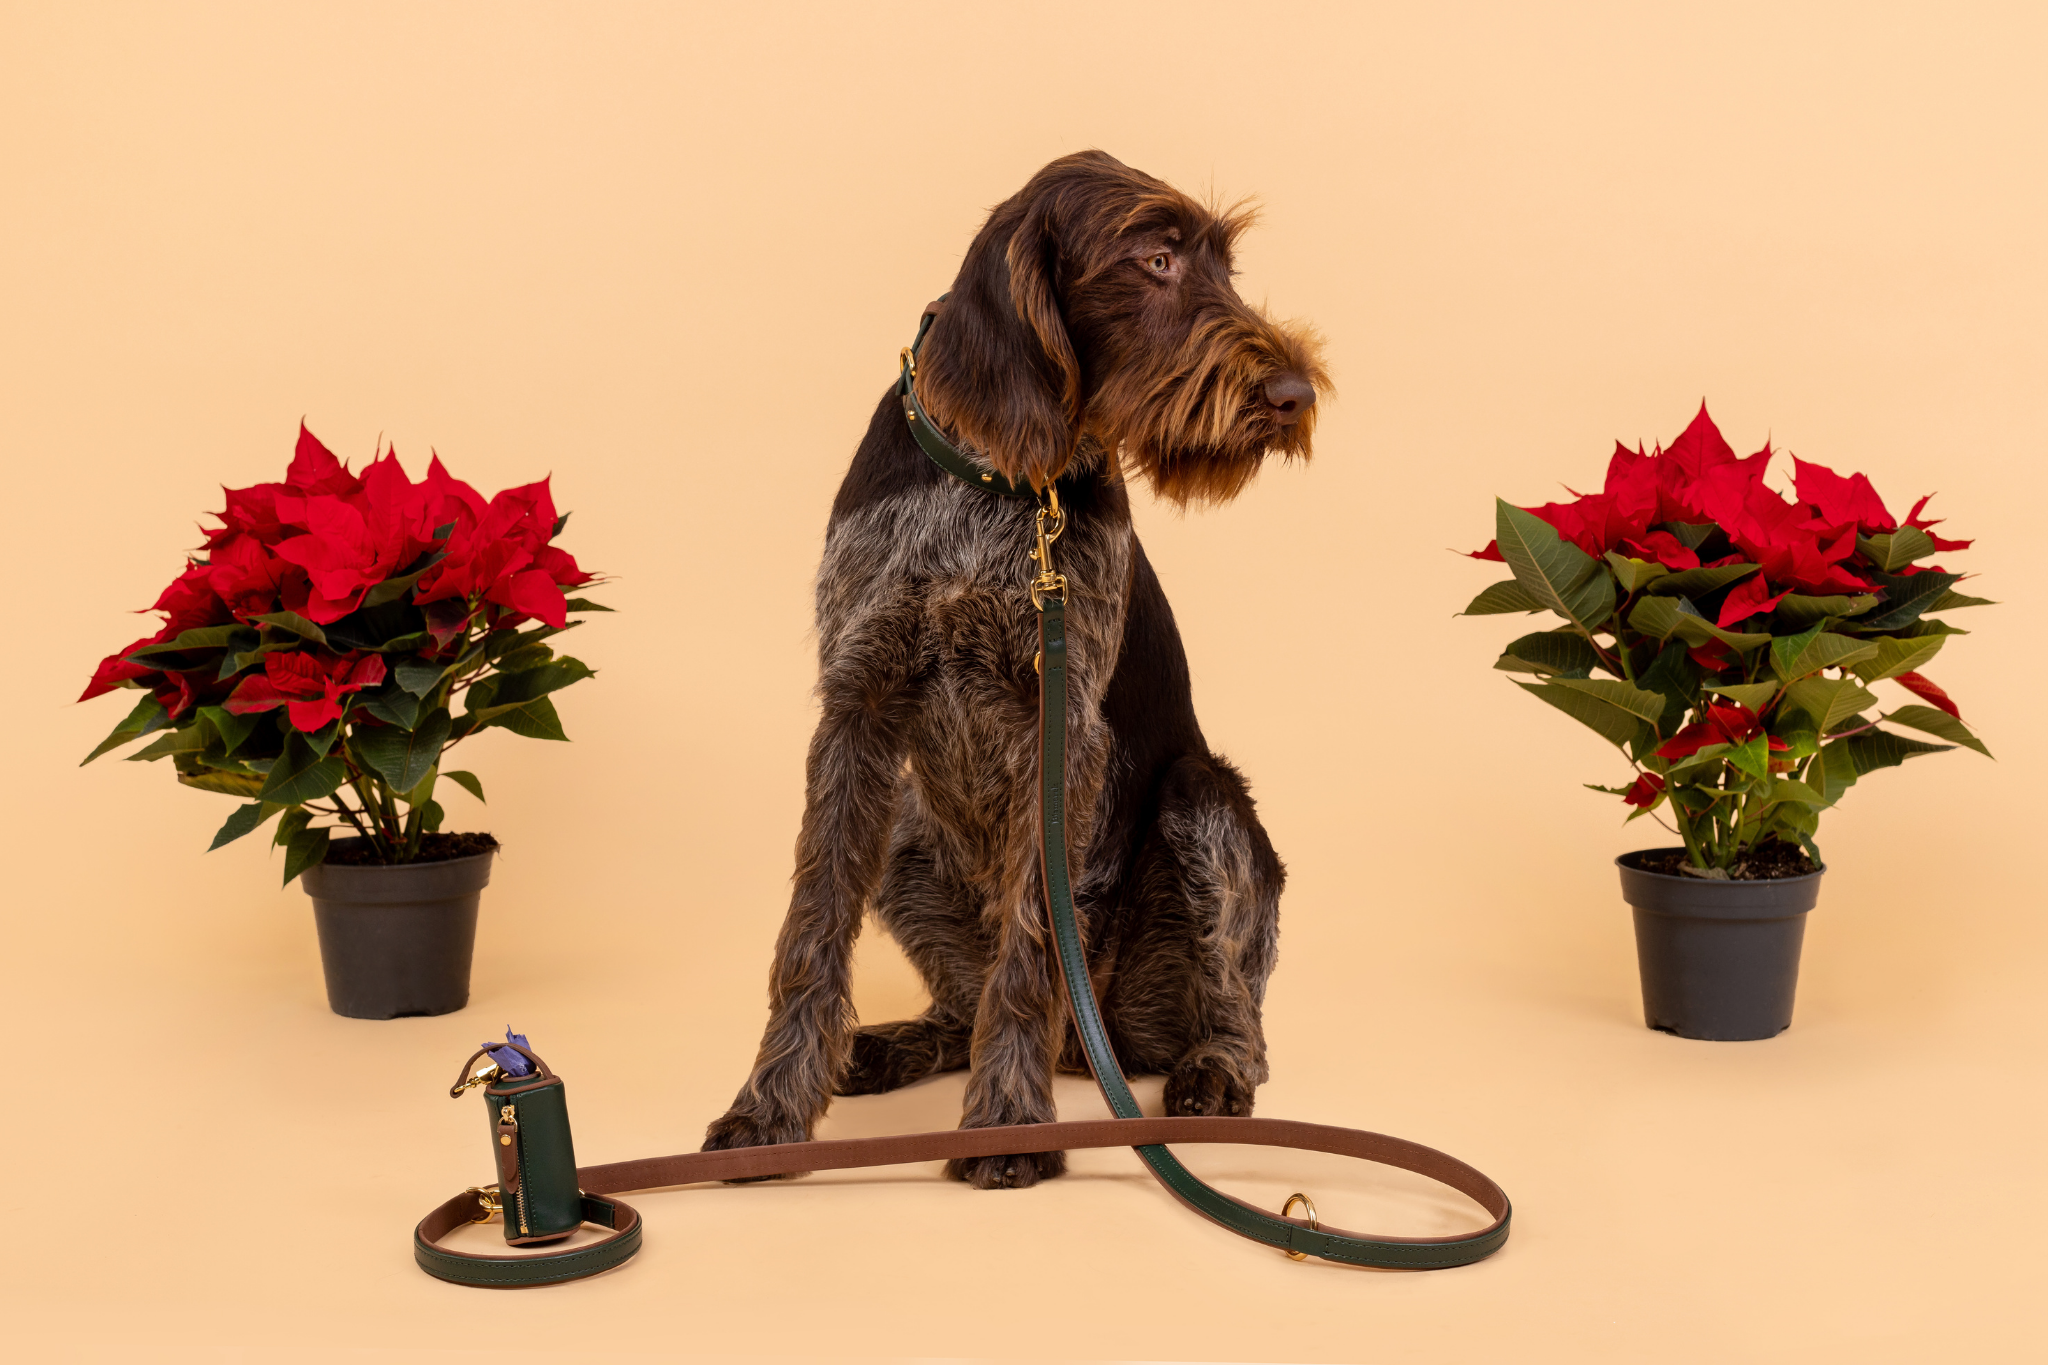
<point x="1290" y="396"/>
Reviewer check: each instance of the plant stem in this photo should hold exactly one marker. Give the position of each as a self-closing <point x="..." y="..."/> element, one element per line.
<point x="1685" y="831"/>
<point x="347" y="812"/>
<point x="374" y="833"/>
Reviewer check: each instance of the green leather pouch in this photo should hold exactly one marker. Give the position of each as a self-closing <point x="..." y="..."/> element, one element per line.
<point x="529" y="1124"/>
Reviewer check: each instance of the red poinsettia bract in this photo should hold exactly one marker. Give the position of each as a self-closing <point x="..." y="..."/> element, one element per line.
<point x="1802" y="544"/>
<point x="317" y="544"/>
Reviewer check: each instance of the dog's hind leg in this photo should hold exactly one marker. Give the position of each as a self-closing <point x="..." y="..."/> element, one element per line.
<point x="853" y="775"/>
<point x="933" y="918"/>
<point x="1192" y="980"/>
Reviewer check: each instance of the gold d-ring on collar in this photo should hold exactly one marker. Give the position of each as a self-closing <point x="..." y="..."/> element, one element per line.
<point x="1308" y="1204"/>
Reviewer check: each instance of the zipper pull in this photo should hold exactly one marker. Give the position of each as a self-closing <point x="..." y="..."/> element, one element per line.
<point x="508" y="1149"/>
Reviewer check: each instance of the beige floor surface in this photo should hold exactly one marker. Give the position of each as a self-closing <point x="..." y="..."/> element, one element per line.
<point x="668" y="254"/>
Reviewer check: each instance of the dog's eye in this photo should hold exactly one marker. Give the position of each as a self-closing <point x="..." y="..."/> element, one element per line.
<point x="1160" y="264"/>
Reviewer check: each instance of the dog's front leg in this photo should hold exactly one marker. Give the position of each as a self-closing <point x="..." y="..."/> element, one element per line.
<point x="1015" y="1034"/>
<point x="855" y="763"/>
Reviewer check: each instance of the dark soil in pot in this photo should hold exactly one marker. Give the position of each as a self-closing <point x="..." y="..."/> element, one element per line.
<point x="396" y="939"/>
<point x="1719" y="958"/>
<point x="434" y="848"/>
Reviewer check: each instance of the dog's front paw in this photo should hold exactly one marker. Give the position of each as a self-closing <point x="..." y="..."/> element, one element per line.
<point x="737" y="1128"/>
<point x="1207" y="1086"/>
<point x="1007" y="1172"/>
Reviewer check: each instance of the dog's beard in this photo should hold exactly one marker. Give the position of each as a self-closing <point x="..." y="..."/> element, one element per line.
<point x="1202" y="432"/>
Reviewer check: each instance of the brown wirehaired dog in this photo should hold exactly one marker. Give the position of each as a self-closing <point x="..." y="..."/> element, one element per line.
<point x="1093" y="333"/>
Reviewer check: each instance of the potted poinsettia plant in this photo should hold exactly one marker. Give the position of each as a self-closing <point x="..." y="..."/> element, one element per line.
<point x="1726" y="638"/>
<point x="335" y="637"/>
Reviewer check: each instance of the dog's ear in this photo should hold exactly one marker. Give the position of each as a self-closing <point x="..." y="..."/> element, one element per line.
<point x="998" y="368"/>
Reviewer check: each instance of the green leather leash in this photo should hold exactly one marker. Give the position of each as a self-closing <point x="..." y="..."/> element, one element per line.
<point x="1299" y="1238"/>
<point x="1296" y="1238"/>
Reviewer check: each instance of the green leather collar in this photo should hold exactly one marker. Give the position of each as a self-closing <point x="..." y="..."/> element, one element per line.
<point x="928" y="438"/>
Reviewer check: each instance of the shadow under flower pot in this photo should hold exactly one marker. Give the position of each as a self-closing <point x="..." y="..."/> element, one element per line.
<point x="1719" y="959"/>
<point x="396" y="940"/>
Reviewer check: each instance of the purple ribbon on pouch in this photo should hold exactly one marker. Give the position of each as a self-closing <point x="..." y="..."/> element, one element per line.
<point x="509" y="1061"/>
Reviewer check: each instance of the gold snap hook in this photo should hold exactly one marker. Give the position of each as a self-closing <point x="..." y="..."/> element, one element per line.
<point x="1288" y="1207"/>
<point x="489" y="1198"/>
<point x="485" y="1074"/>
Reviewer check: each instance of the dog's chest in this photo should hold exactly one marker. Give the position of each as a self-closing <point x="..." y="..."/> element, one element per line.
<point x="923" y="598"/>
<point x="947" y="569"/>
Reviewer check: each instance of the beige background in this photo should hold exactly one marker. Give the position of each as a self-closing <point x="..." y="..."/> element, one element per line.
<point x="668" y="253"/>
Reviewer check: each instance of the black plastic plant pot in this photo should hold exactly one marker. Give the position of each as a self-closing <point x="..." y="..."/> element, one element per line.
<point x="1719" y="959"/>
<point x="396" y="941"/>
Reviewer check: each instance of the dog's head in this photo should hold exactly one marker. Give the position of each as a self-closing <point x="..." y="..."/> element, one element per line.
<point x="1097" y="302"/>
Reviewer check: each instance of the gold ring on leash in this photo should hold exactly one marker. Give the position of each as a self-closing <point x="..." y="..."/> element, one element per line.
<point x="1308" y="1204"/>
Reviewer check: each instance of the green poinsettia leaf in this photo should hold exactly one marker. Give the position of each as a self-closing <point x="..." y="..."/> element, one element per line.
<point x="295" y="623"/>
<point x="1796" y="656"/>
<point x="1787" y="789"/>
<point x="1504" y="596"/>
<point x="244" y="820"/>
<point x="1877" y="749"/>
<point x="1556" y="572"/>
<point x="1797" y="610"/>
<point x="393" y="705"/>
<point x="1616" y="711"/>
<point x="308" y="848"/>
<point x="1700" y="582"/>
<point x="232" y="730"/>
<point x="197" y="640"/>
<point x="189" y="738"/>
<point x="508" y="691"/>
<point x="418" y="677"/>
<point x="1894" y="550"/>
<point x="1832" y="772"/>
<point x="1952" y="600"/>
<point x="1675" y="677"/>
<point x="1690" y="534"/>
<point x="583" y="604"/>
<point x="1905" y="597"/>
<point x="1799" y="741"/>
<point x="1632" y="573"/>
<point x="404" y="758"/>
<point x="302" y="773"/>
<point x="1940" y="724"/>
<point x="1755" y="696"/>
<point x="1826" y="701"/>
<point x="1662" y="618"/>
<point x="243" y="785"/>
<point x="525" y="656"/>
<point x="296" y="819"/>
<point x="147" y="717"/>
<point x="1753" y="758"/>
<point x="534" y="719"/>
<point x="469" y="782"/>
<point x="1656" y="617"/>
<point x="1893" y="656"/>
<point x="1562" y="652"/>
